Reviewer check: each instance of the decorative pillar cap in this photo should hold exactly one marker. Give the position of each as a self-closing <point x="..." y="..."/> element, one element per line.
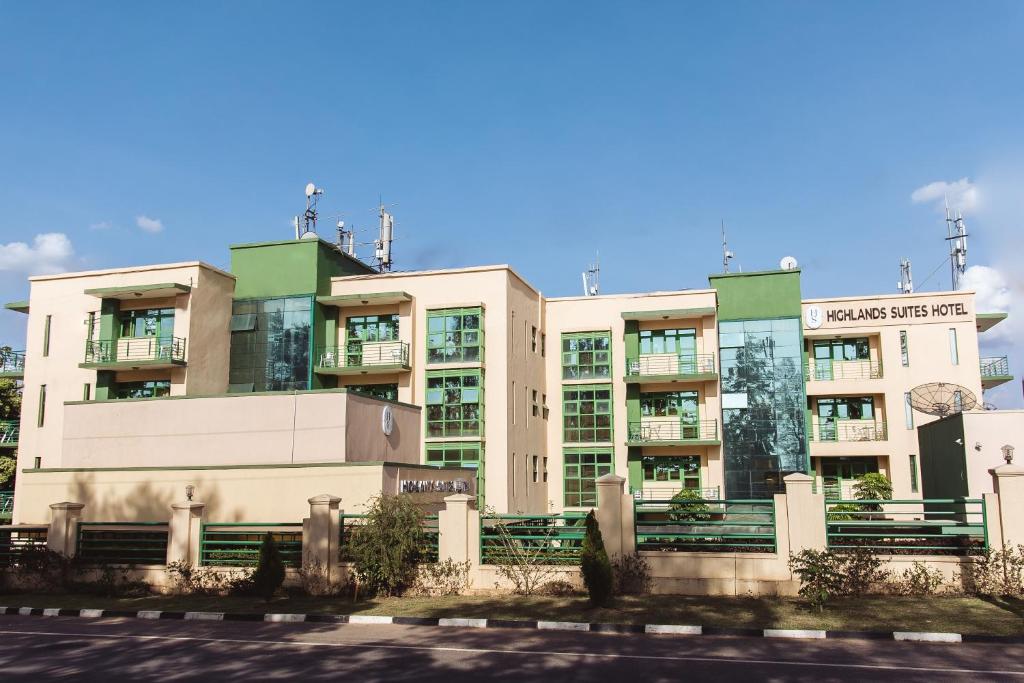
<point x="798" y="478"/>
<point x="610" y="478"/>
<point x="459" y="498"/>
<point x="325" y="499"/>
<point x="1001" y="471"/>
<point x="188" y="505"/>
<point x="66" y="505"/>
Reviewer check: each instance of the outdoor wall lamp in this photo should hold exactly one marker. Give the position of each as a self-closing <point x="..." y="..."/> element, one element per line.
<point x="190" y="491"/>
<point x="1008" y="454"/>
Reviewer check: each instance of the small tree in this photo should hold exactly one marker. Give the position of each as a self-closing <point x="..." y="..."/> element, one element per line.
<point x="594" y="565"/>
<point x="269" y="574"/>
<point x="387" y="546"/>
<point x="683" y="509"/>
<point x="527" y="561"/>
<point x="872" y="486"/>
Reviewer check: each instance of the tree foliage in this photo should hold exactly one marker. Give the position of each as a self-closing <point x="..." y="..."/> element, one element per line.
<point x="594" y="565"/>
<point x="387" y="547"/>
<point x="683" y="509"/>
<point x="269" y="574"/>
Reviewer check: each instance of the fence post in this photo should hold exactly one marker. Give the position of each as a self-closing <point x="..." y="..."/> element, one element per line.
<point x="320" y="542"/>
<point x="610" y="490"/>
<point x="62" y="536"/>
<point x="184" y="532"/>
<point x="1008" y="481"/>
<point x="805" y="511"/>
<point x="458" y="534"/>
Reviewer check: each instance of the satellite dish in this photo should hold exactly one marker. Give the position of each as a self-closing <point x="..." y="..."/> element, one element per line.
<point x="788" y="263"/>
<point x="942" y="399"/>
<point x="310" y="189"/>
<point x="309" y="235"/>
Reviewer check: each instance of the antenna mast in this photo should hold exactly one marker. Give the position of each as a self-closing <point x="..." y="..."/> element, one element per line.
<point x="906" y="283"/>
<point x="726" y="254"/>
<point x="382" y="247"/>
<point x="592" y="278"/>
<point x="957" y="238"/>
<point x="313" y="194"/>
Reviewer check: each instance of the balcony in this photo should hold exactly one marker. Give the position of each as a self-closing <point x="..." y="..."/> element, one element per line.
<point x="9" y="432"/>
<point x="673" y="432"/>
<point x="12" y="364"/>
<point x="825" y="370"/>
<point x="662" y="492"/>
<point x="995" y="371"/>
<point x="670" y="367"/>
<point x="134" y="353"/>
<point x="849" y="430"/>
<point x="363" y="358"/>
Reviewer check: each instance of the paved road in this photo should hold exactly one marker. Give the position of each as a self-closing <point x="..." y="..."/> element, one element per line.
<point x="123" y="650"/>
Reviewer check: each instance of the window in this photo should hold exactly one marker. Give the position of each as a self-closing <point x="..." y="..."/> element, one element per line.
<point x="908" y="410"/>
<point x="833" y="469"/>
<point x="536" y="469"/>
<point x="847" y="408"/>
<point x="454" y="454"/>
<point x="544" y="472"/>
<point x="86" y="391"/>
<point x="582" y="469"/>
<point x="386" y="392"/>
<point x="954" y="354"/>
<point x="37" y="462"/>
<point x="544" y="405"/>
<point x="535" y="408"/>
<point x="587" y="413"/>
<point x="681" y="470"/>
<point x="533" y="338"/>
<point x="679" y="342"/>
<point x="682" y="404"/>
<point x="586" y="355"/>
<point x="958" y="401"/>
<point x="41" y="415"/>
<point x="46" y="336"/>
<point x="904" y="349"/>
<point x="913" y="473"/>
<point x="543" y="344"/>
<point x="454" y="403"/>
<point x="153" y="322"/>
<point x="455" y="335"/>
<point x="371" y="328"/>
<point x="842" y="349"/>
<point x="273" y="353"/>
<point x="150" y="389"/>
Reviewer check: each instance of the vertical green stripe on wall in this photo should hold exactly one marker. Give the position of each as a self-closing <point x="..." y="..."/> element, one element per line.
<point x="636" y="468"/>
<point x="110" y="309"/>
<point x="632" y="339"/>
<point x="632" y="403"/>
<point x="104" y="385"/>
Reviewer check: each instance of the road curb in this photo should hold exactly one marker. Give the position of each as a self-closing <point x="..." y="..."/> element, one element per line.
<point x="542" y="625"/>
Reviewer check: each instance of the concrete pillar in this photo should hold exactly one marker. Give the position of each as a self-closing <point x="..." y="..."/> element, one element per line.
<point x="805" y="511"/>
<point x="993" y="525"/>
<point x="459" y="529"/>
<point x="610" y="491"/>
<point x="1008" y="481"/>
<point x="185" y="532"/>
<point x="322" y="536"/>
<point x="62" y="536"/>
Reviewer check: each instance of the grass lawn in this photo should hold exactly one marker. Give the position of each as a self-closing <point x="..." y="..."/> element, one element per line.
<point x="872" y="613"/>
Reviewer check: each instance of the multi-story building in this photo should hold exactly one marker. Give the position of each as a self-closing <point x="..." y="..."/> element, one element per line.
<point x="141" y="376"/>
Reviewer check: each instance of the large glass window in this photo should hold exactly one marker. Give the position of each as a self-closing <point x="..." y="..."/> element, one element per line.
<point x="679" y="342"/>
<point x="455" y="335"/>
<point x="454" y="454"/>
<point x="833" y="469"/>
<point x="148" y="389"/>
<point x="682" y="404"/>
<point x="681" y="470"/>
<point x="842" y="349"/>
<point x="587" y="355"/>
<point x="371" y="328"/>
<point x="387" y="392"/>
<point x="847" y="408"/>
<point x="150" y="322"/>
<point x="587" y="413"/>
<point x="270" y="344"/>
<point x="454" y="403"/>
<point x="582" y="469"/>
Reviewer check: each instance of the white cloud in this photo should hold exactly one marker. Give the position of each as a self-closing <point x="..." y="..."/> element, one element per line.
<point x="151" y="225"/>
<point x="961" y="194"/>
<point x="49" y="253"/>
<point x="102" y="225"/>
<point x="992" y="290"/>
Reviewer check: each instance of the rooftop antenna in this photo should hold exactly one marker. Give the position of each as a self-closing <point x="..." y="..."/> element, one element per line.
<point x="906" y="283"/>
<point x="313" y="194"/>
<point x="592" y="278"/>
<point x="346" y="239"/>
<point x="726" y="254"/>
<point x="382" y="247"/>
<point x="957" y="238"/>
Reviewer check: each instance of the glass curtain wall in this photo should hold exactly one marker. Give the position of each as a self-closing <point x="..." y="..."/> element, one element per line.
<point x="270" y="344"/>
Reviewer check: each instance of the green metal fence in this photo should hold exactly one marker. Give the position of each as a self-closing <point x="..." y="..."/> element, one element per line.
<point x="934" y="526"/>
<point x="544" y="539"/>
<point x="431" y="536"/>
<point x="6" y="504"/>
<point x="10" y="430"/>
<point x="238" y="544"/>
<point x="705" y="525"/>
<point x="122" y="543"/>
<point x="15" y="540"/>
<point x="12" y="363"/>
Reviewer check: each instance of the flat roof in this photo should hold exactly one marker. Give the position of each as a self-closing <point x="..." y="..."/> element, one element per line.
<point x="438" y="271"/>
<point x="131" y="269"/>
<point x="888" y="296"/>
<point x="670" y="314"/>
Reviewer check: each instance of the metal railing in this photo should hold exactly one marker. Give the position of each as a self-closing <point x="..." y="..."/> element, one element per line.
<point x="122" y="542"/>
<point x="996" y="366"/>
<point x="934" y="526"/>
<point x="705" y="525"/>
<point x="818" y="369"/>
<point x="363" y="354"/>
<point x="10" y="430"/>
<point x="12" y="362"/>
<point x="16" y="540"/>
<point x="664" y="430"/>
<point x="667" y="364"/>
<point x="849" y="430"/>
<point x="545" y="539"/>
<point x="238" y="544"/>
<point x="658" y="491"/>
<point x="135" y="349"/>
<point x="6" y="504"/>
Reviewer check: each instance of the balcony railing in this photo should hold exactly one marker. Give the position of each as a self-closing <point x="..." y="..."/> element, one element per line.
<point x="12" y="363"/>
<point x="9" y="432"/>
<point x="818" y="369"/>
<point x="363" y="355"/>
<point x="665" y="430"/>
<point x="996" y="366"/>
<point x="149" y="350"/>
<point x="849" y="430"/>
<point x="671" y="364"/>
<point x="660" y="491"/>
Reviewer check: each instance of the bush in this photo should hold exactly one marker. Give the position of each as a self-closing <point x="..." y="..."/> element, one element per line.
<point x="997" y="573"/>
<point x="825" y="575"/>
<point x="189" y="580"/>
<point x="872" y="486"/>
<point x="315" y="580"/>
<point x="387" y="547"/>
<point x="442" y="578"/>
<point x="683" y="511"/>
<point x="918" y="579"/>
<point x="840" y="512"/>
<point x="558" y="589"/>
<point x="269" y="574"/>
<point x="594" y="565"/>
<point x="632" y="575"/>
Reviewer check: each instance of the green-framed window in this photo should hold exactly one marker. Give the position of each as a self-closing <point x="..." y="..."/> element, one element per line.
<point x="46" y="336"/>
<point x="842" y="349"/>
<point x="147" y="389"/>
<point x="455" y="403"/>
<point x="457" y="454"/>
<point x="41" y="413"/>
<point x="683" y="470"/>
<point x="582" y="467"/>
<point x="682" y="404"/>
<point x="455" y="335"/>
<point x="371" y="328"/>
<point x="913" y="473"/>
<point x="847" y="408"/>
<point x="150" y="322"/>
<point x="587" y="413"/>
<point x="682" y="342"/>
<point x="904" y="349"/>
<point x="847" y="468"/>
<point x="587" y="355"/>
<point x="387" y="392"/>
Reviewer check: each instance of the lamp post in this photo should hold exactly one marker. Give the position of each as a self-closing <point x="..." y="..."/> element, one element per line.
<point x="1008" y="454"/>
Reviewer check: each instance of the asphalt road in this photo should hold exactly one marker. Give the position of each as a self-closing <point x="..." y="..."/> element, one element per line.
<point x="54" y="648"/>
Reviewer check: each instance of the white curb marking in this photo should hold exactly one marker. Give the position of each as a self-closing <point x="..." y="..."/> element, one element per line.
<point x="470" y="623"/>
<point x="674" y="629"/>
<point x="204" y="616"/>
<point x="25" y="611"/>
<point x="51" y="611"/>
<point x="149" y="614"/>
<point x="369" y="619"/>
<point x="925" y="637"/>
<point x="284" y="617"/>
<point x="794" y="633"/>
<point x="90" y="613"/>
<point x="562" y="626"/>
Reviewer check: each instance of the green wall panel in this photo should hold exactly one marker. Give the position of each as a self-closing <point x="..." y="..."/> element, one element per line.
<point x="762" y="295"/>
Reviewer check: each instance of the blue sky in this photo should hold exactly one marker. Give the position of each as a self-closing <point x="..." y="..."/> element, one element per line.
<point x="532" y="133"/>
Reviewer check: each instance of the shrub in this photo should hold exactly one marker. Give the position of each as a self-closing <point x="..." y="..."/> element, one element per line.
<point x="594" y="565"/>
<point x="918" y="579"/>
<point x="681" y="510"/>
<point x="387" y="546"/>
<point x="825" y="575"/>
<point x="189" y="580"/>
<point x="997" y="573"/>
<point x="632" y="575"/>
<point x="442" y="578"/>
<point x="269" y="574"/>
<point x="315" y="580"/>
<point x="840" y="512"/>
<point x="41" y="570"/>
<point x="872" y="486"/>
<point x="558" y="589"/>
